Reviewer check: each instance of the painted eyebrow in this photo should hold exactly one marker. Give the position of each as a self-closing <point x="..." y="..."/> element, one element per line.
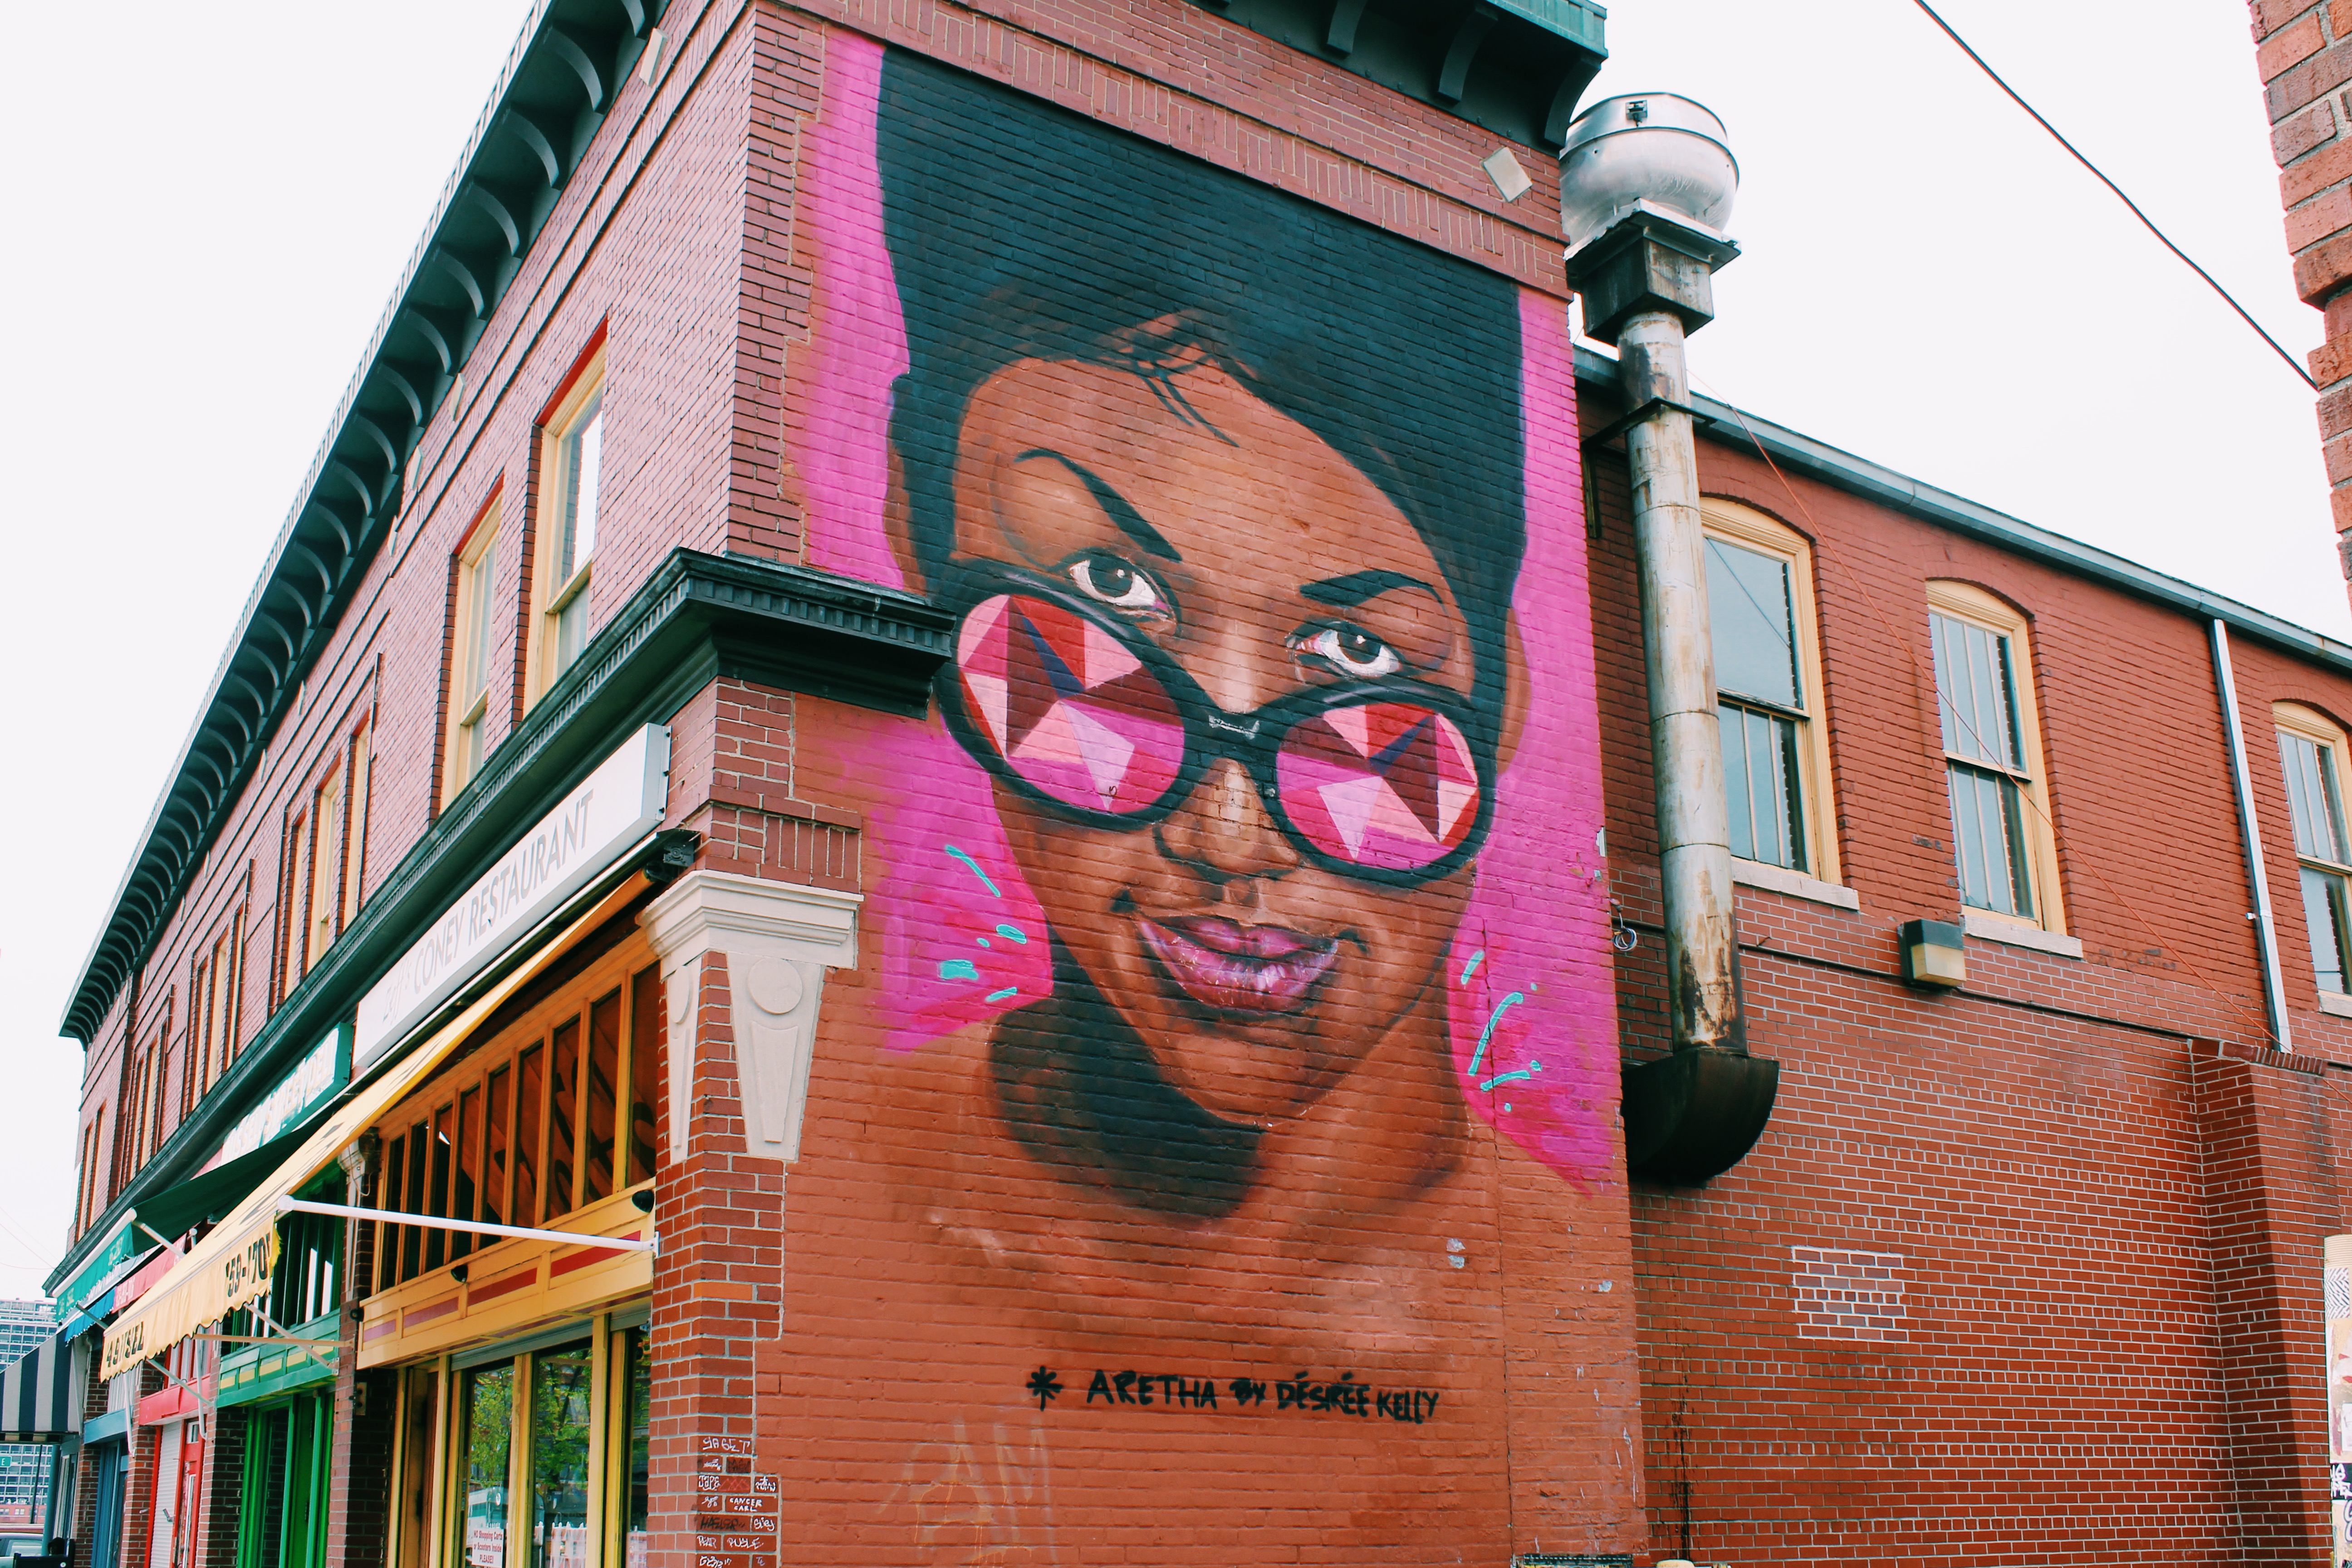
<point x="1115" y="505"/>
<point x="1348" y="592"/>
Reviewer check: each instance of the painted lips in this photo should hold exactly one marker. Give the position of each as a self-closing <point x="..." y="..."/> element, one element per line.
<point x="1233" y="968"/>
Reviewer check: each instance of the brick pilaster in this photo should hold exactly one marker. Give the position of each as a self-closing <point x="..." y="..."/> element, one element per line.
<point x="718" y="1279"/>
<point x="2304" y="51"/>
<point x="2269" y="1196"/>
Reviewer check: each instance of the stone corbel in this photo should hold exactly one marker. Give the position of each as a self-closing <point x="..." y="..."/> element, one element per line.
<point x="778" y="938"/>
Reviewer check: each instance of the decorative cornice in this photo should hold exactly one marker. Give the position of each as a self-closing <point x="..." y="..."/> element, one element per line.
<point x="556" y="89"/>
<point x="697" y="618"/>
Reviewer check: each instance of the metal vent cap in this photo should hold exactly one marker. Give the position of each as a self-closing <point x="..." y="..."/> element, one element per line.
<point x="1654" y="149"/>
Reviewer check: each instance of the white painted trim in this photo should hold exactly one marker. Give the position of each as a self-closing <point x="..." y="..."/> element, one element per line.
<point x="778" y="938"/>
<point x="1796" y="884"/>
<point x="2336" y="1004"/>
<point x="1991" y="927"/>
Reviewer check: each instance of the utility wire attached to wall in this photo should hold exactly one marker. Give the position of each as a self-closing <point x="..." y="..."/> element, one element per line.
<point x="2014" y="97"/>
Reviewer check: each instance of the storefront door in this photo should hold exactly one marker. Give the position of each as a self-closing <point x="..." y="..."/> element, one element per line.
<point x="282" y="1522"/>
<point x="106" y="1482"/>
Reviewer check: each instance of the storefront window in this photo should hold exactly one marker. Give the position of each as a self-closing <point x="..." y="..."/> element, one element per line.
<point x="637" y="1536"/>
<point x="489" y="1444"/>
<point x="547" y="1458"/>
<point x="560" y="1427"/>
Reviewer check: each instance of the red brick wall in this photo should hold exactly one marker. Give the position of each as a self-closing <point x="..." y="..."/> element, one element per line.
<point x="2108" y="1237"/>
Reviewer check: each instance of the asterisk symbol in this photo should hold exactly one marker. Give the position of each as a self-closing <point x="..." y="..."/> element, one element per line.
<point x="1043" y="1384"/>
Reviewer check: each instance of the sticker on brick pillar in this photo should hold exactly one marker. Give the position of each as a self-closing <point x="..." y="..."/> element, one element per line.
<point x="735" y="1508"/>
<point x="1844" y="1295"/>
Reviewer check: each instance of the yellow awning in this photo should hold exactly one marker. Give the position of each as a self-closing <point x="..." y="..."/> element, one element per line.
<point x="232" y="1266"/>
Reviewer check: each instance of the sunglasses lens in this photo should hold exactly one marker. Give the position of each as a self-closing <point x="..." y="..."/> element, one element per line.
<point x="1067" y="708"/>
<point x="1390" y="786"/>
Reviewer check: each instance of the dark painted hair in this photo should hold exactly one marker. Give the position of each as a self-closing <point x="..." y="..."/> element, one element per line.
<point x="1019" y="230"/>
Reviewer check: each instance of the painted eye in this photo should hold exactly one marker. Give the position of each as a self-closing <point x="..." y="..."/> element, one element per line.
<point x="1111" y="580"/>
<point x="1349" y="650"/>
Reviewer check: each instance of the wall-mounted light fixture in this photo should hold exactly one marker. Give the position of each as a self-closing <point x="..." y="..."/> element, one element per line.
<point x="1935" y="954"/>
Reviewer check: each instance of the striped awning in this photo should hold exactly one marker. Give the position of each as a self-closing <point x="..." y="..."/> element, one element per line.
<point x="38" y="1403"/>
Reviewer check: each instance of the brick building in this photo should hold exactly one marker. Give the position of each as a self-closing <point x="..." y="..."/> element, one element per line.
<point x="916" y="999"/>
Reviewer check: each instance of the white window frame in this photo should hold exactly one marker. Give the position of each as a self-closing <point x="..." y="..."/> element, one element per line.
<point x="1816" y="794"/>
<point x="582" y="399"/>
<point x="1967" y="601"/>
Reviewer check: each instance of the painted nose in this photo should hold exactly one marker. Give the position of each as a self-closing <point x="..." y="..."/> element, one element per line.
<point x="1225" y="830"/>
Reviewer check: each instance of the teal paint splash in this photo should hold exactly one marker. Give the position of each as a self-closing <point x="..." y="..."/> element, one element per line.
<point x="959" y="968"/>
<point x="1009" y="991"/>
<point x="1471" y="968"/>
<point x="1525" y="1073"/>
<point x="1487" y="1033"/>
<point x="1013" y="933"/>
<point x="993" y="891"/>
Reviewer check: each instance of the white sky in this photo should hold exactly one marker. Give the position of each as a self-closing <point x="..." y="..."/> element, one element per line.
<point x="210" y="217"/>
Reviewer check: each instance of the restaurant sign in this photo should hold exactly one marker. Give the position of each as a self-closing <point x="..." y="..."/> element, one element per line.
<point x="614" y="807"/>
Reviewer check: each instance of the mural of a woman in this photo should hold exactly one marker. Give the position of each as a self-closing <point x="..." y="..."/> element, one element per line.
<point x="1186" y="908"/>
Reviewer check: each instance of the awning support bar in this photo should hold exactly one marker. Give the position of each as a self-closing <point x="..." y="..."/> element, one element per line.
<point x="478" y="1228"/>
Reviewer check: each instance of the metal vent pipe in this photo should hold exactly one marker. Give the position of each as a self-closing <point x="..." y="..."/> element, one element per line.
<point x="1646" y="180"/>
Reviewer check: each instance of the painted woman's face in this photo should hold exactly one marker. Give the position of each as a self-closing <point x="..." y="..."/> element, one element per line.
<point x="1263" y="563"/>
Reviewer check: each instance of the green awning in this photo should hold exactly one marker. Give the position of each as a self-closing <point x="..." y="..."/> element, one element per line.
<point x="174" y="1210"/>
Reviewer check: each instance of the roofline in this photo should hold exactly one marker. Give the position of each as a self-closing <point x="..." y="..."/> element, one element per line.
<point x="1900" y="492"/>
<point x="321" y="552"/>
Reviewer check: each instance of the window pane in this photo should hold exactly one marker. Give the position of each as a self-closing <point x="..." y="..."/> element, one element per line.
<point x="1749" y="614"/>
<point x="467" y="1167"/>
<point x="355" y="828"/>
<point x="640" y="1545"/>
<point x="645" y="1070"/>
<point x="2313" y="806"/>
<point x="326" y="864"/>
<point x="604" y="1071"/>
<point x="389" y="1197"/>
<point x="530" y="1073"/>
<point x="584" y="479"/>
<point x="2322" y="913"/>
<point x="495" y="1099"/>
<point x="1760" y="767"/>
<point x="570" y="630"/>
<point x="413" y="1240"/>
<point x="558" y="1459"/>
<point x="490" y="1442"/>
<point x="436" y="1201"/>
<point x="474" y="673"/>
<point x="563" y="1117"/>
<point x="1988" y="842"/>
<point x="1972" y="687"/>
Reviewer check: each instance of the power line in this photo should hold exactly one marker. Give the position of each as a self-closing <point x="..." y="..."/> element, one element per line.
<point x="2291" y="363"/>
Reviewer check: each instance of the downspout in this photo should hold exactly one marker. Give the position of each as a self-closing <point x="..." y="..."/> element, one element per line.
<point x="1645" y="180"/>
<point x="2250" y="831"/>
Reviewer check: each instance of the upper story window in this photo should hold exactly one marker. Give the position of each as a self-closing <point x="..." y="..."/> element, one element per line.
<point x="1759" y="595"/>
<point x="326" y="840"/>
<point x="2311" y="754"/>
<point x="212" y="1006"/>
<point x="471" y="628"/>
<point x="2001" y="840"/>
<point x="571" y="493"/>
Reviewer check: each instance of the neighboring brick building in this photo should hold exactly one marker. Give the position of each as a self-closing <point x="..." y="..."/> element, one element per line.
<point x="2305" y="55"/>
<point x="938" y="781"/>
